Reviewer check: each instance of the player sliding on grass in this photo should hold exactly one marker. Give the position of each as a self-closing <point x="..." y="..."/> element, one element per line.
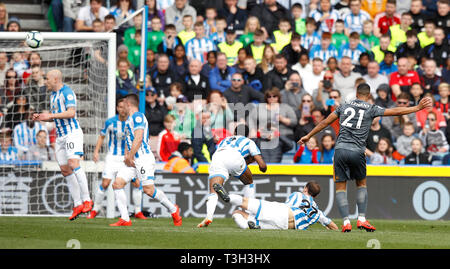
<point x="115" y="129"/>
<point x="69" y="141"/>
<point x="299" y="212"/>
<point x="349" y="163"/>
<point x="231" y="157"/>
<point x="140" y="163"/>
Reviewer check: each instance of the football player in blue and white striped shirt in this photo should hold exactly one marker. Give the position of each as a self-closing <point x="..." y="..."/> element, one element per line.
<point x="199" y="46"/>
<point x="69" y="141"/>
<point x="231" y="157"/>
<point x="139" y="162"/>
<point x="115" y="130"/>
<point x="355" y="19"/>
<point x="299" y="212"/>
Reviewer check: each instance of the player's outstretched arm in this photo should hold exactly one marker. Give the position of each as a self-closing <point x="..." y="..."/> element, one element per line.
<point x="261" y="163"/>
<point x="398" y="111"/>
<point x="322" y="125"/>
<point x="99" y="144"/>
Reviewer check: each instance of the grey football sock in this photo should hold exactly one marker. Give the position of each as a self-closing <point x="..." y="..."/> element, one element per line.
<point x="342" y="203"/>
<point x="361" y="200"/>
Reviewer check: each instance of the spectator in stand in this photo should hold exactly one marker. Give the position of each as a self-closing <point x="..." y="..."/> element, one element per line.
<point x="210" y="21"/>
<point x="134" y="51"/>
<point x="387" y="18"/>
<point x="383" y="153"/>
<point x="219" y="35"/>
<point x="282" y="37"/>
<point x="156" y="35"/>
<point x="198" y="47"/>
<point x="327" y="149"/>
<point x="419" y="15"/>
<point x="184" y="119"/>
<point x="388" y="66"/>
<point x="442" y="103"/>
<point x="379" y="51"/>
<point x="179" y="63"/>
<point x="121" y="11"/>
<point x="128" y="36"/>
<point x="374" y="78"/>
<point x="395" y="123"/>
<point x="345" y="79"/>
<point x="3" y="17"/>
<point x="277" y="117"/>
<point x="41" y="151"/>
<point x="403" y="143"/>
<point x="240" y="63"/>
<point x="4" y="67"/>
<point x="65" y="13"/>
<point x="332" y="65"/>
<point x="178" y="10"/>
<point x="168" y="140"/>
<point x="355" y="19"/>
<point x="429" y="80"/>
<point x="303" y="66"/>
<point x="279" y="75"/>
<point x="235" y="16"/>
<point x="309" y="153"/>
<point x="11" y="87"/>
<point x="325" y="16"/>
<point x="17" y="112"/>
<point x="170" y="41"/>
<point x="421" y="116"/>
<point x="196" y="84"/>
<point x="442" y="16"/>
<point x="221" y="113"/>
<point x="368" y="39"/>
<point x="188" y="31"/>
<point x="343" y="7"/>
<point x="180" y="160"/>
<point x="88" y="14"/>
<point x="238" y="92"/>
<point x="402" y="80"/>
<point x="257" y="48"/>
<point x="325" y="50"/>
<point x="438" y="50"/>
<point x="317" y="115"/>
<point x="8" y="151"/>
<point x="125" y="79"/>
<point x="231" y="46"/>
<point x="352" y="49"/>
<point x="268" y="58"/>
<point x="251" y="26"/>
<point x="311" y="37"/>
<point x="220" y="76"/>
<point x="20" y="64"/>
<point x="269" y="14"/>
<point x="293" y="92"/>
<point x="155" y="112"/>
<point x="153" y="11"/>
<point x="202" y="138"/>
<point x="36" y="90"/>
<point x="162" y="77"/>
<point x="13" y="25"/>
<point x="305" y="121"/>
<point x="411" y="47"/>
<point x="312" y="79"/>
<point x="426" y="37"/>
<point x="25" y="133"/>
<point x="418" y="155"/>
<point x="210" y="64"/>
<point x="253" y="75"/>
<point x="339" y="38"/>
<point x="322" y="93"/>
<point x="298" y="17"/>
<point x="373" y="7"/>
<point x="434" y="139"/>
<point x="398" y="31"/>
<point x="361" y="66"/>
<point x="377" y="131"/>
<point x="416" y="93"/>
<point x="383" y="98"/>
<point x="293" y="50"/>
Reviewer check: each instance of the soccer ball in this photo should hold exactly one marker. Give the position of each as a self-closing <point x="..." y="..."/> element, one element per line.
<point x="34" y="39"/>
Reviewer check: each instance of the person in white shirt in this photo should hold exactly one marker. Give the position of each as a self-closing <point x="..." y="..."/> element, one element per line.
<point x="311" y="79"/>
<point x="88" y="14"/>
<point x="374" y="78"/>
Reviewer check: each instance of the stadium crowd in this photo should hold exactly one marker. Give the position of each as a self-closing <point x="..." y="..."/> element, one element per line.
<point x="289" y="63"/>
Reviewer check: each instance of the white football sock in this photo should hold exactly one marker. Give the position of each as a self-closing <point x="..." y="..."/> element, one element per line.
<point x="137" y="199"/>
<point x="236" y="199"/>
<point x="240" y="221"/>
<point x="211" y="203"/>
<point x="121" y="200"/>
<point x="346" y="221"/>
<point x="161" y="197"/>
<point x="74" y="189"/>
<point x="249" y="191"/>
<point x="98" y="198"/>
<point x="362" y="218"/>
<point x="82" y="181"/>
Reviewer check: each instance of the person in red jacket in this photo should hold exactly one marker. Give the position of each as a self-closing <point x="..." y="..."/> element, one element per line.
<point x="168" y="140"/>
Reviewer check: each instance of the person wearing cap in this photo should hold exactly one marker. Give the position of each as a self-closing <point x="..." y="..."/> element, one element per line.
<point x="374" y="78"/>
<point x="154" y="112"/>
<point x="231" y="46"/>
<point x="13" y="25"/>
<point x="383" y="98"/>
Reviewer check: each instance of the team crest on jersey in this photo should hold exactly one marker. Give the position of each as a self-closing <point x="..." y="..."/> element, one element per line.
<point x="70" y="97"/>
<point x="138" y="119"/>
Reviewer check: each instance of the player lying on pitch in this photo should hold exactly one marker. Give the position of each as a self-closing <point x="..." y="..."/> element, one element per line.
<point x="298" y="212"/>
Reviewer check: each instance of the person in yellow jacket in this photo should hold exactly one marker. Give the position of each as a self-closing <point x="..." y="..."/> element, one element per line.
<point x="231" y="46"/>
<point x="398" y="31"/>
<point x="385" y="45"/>
<point x="283" y="36"/>
<point x="188" y="32"/>
<point x="179" y="161"/>
<point x="427" y="37"/>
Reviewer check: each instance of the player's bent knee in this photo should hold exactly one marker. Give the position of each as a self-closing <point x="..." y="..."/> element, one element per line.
<point x="66" y="170"/>
<point x="118" y="184"/>
<point x="73" y="163"/>
<point x="149" y="190"/>
<point x="105" y="183"/>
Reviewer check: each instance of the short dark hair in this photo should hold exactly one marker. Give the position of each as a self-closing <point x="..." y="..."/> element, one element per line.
<point x="133" y="99"/>
<point x="109" y="17"/>
<point x="313" y="188"/>
<point x="242" y="129"/>
<point x="297" y="5"/>
<point x="183" y="146"/>
<point x="170" y="27"/>
<point x="363" y="89"/>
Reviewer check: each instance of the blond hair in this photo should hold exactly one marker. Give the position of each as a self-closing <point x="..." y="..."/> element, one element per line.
<point x="6" y="13"/>
<point x="247" y="24"/>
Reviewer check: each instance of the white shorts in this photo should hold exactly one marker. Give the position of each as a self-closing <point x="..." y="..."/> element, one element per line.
<point x="272" y="215"/>
<point x="112" y="166"/>
<point x="69" y="146"/>
<point x="144" y="170"/>
<point x="227" y="162"/>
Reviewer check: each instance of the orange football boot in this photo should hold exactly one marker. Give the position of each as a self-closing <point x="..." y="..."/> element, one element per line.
<point x="121" y="222"/>
<point x="87" y="206"/>
<point x="365" y="226"/>
<point x="140" y="215"/>
<point x="92" y="214"/>
<point x="346" y="228"/>
<point x="76" y="211"/>
<point x="177" y="220"/>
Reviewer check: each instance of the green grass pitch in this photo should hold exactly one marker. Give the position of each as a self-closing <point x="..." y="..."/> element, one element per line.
<point x="159" y="233"/>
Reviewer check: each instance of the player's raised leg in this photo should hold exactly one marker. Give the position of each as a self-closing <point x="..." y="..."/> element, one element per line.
<point x="211" y="200"/>
<point x="361" y="201"/>
<point x="157" y="194"/>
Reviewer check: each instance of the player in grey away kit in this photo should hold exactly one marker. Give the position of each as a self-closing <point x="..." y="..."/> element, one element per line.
<point x="355" y="119"/>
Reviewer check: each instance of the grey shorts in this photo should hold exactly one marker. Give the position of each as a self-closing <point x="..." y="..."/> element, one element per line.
<point x="349" y="165"/>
